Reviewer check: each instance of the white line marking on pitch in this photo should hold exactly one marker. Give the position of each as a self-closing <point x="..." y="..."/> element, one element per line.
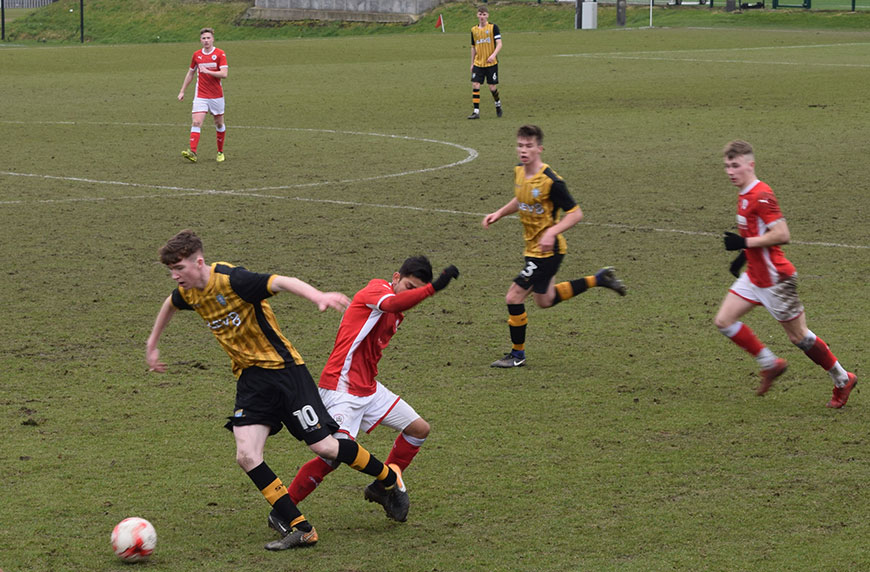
<point x="470" y="155"/>
<point x="257" y="193"/>
<point x="651" y="55"/>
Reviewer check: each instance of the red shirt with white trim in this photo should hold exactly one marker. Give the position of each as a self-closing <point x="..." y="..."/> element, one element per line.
<point x="208" y="87"/>
<point x="757" y="212"/>
<point x="366" y="328"/>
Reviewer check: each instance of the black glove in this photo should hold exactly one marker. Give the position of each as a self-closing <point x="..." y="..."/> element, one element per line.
<point x="446" y="276"/>
<point x="737" y="264"/>
<point x="734" y="241"/>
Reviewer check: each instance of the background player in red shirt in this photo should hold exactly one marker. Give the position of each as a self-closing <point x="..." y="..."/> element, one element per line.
<point x="209" y="65"/>
<point x="770" y="279"/>
<point x="348" y="384"/>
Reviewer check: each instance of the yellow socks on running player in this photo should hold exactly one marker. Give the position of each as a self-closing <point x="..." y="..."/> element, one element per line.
<point x="276" y="494"/>
<point x="352" y="453"/>
<point x="517" y="321"/>
<point x="567" y="290"/>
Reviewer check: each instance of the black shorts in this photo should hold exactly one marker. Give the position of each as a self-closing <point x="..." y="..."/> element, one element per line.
<point x="489" y="73"/>
<point x="277" y="397"/>
<point x="538" y="273"/>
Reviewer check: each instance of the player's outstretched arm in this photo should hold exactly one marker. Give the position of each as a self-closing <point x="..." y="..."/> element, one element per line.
<point x="407" y="299"/>
<point x="445" y="277"/>
<point x="152" y="354"/>
<point x="323" y="300"/>
<point x="510" y="208"/>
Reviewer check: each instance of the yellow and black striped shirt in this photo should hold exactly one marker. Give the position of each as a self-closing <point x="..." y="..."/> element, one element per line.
<point x="540" y="198"/>
<point x="233" y="305"/>
<point x="483" y="40"/>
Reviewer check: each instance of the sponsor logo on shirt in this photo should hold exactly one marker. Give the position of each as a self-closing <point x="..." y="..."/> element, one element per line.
<point x="536" y="208"/>
<point x="230" y="319"/>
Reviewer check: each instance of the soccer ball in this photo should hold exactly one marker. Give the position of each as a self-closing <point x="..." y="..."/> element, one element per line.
<point x="134" y="539"/>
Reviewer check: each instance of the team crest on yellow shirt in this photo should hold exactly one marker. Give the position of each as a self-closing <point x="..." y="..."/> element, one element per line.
<point x="536" y="193"/>
<point x="221" y="300"/>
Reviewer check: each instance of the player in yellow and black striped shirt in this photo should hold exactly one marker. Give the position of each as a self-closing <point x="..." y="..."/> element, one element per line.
<point x="539" y="195"/>
<point x="485" y="46"/>
<point x="273" y="388"/>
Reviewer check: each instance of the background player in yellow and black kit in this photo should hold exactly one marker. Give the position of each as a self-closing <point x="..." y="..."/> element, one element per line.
<point x="485" y="46"/>
<point x="274" y="388"/>
<point x="539" y="195"/>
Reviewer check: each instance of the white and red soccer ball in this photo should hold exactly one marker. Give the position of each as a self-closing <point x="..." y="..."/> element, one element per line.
<point x="134" y="539"/>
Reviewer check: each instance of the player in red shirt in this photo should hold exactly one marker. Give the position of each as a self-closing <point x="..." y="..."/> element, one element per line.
<point x="770" y="280"/>
<point x="209" y="65"/>
<point x="348" y="384"/>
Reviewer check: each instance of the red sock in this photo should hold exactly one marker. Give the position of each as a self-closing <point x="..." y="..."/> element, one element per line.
<point x="821" y="354"/>
<point x="306" y="480"/>
<point x="194" y="140"/>
<point x="220" y="140"/>
<point x="402" y="452"/>
<point x="746" y="339"/>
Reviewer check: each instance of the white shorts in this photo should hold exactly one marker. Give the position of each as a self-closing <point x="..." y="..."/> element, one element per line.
<point x="353" y="413"/>
<point x="781" y="300"/>
<point x="213" y="106"/>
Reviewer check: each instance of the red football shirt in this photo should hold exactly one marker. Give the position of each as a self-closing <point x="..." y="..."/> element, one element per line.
<point x="757" y="211"/>
<point x="366" y="328"/>
<point x="208" y="87"/>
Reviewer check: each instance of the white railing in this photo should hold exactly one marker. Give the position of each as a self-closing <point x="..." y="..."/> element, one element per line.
<point x="26" y="3"/>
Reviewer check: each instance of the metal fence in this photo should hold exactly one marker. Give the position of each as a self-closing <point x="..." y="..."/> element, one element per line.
<point x="835" y="5"/>
<point x="27" y="3"/>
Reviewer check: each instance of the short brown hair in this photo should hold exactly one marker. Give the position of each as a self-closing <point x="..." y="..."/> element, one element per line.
<point x="737" y="148"/>
<point x="209" y="30"/>
<point x="179" y="247"/>
<point x="483" y="9"/>
<point x="531" y="132"/>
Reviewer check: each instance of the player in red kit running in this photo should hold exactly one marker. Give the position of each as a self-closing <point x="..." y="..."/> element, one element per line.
<point x="770" y="279"/>
<point x="209" y="65"/>
<point x="348" y="384"/>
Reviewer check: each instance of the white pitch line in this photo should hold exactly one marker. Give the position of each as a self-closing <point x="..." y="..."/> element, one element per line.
<point x="470" y="155"/>
<point x="711" y="61"/>
<point x="626" y="227"/>
<point x="257" y="193"/>
<point x="94" y="181"/>
<point x="747" y="49"/>
<point x="641" y="55"/>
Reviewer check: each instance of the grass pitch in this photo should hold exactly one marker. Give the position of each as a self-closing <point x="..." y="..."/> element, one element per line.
<point x="631" y="441"/>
